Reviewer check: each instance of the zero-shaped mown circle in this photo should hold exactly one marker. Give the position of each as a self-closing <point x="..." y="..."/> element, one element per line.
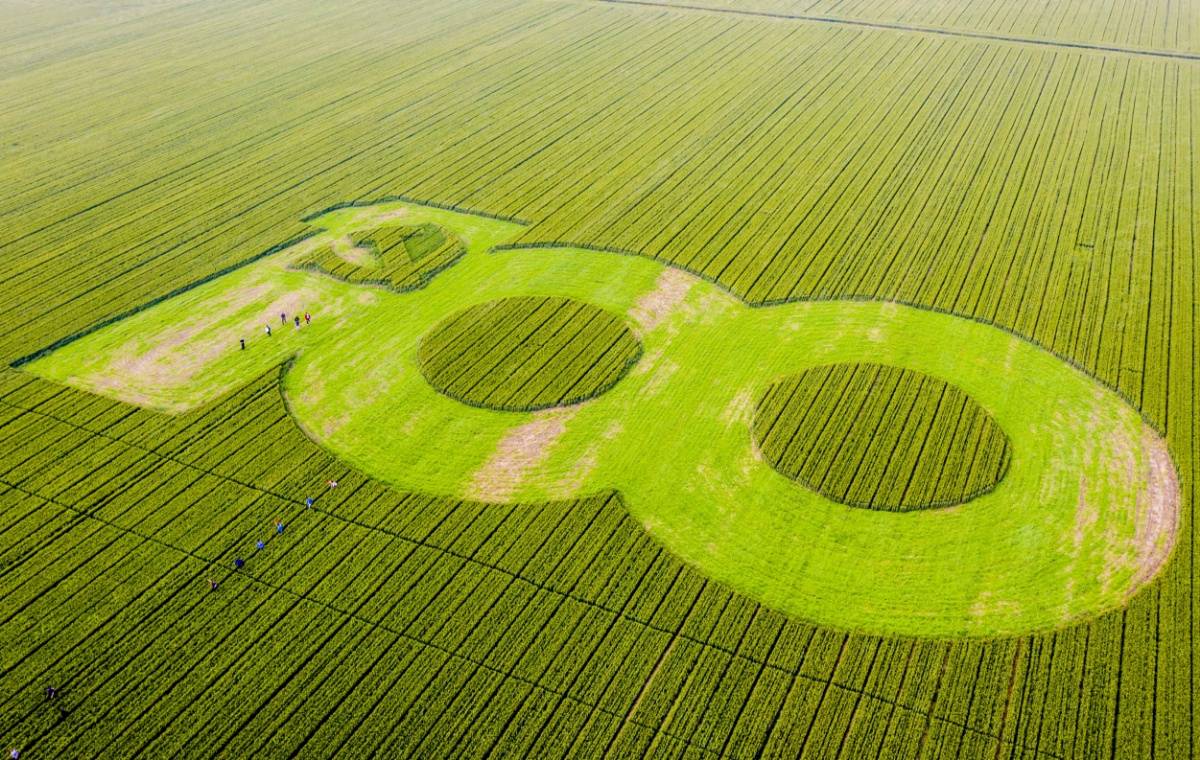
<point x="880" y="437"/>
<point x="522" y="354"/>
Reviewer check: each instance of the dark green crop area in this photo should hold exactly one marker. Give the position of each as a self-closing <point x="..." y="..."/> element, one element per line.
<point x="880" y="437"/>
<point x="521" y="354"/>
<point x="399" y="258"/>
<point x="1050" y="189"/>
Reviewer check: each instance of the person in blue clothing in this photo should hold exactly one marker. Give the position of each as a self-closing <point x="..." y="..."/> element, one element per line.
<point x="279" y="527"/>
<point x="239" y="562"/>
<point x="308" y="502"/>
<point x="259" y="544"/>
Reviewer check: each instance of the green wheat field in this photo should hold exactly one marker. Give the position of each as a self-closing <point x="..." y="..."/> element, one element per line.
<point x="599" y="378"/>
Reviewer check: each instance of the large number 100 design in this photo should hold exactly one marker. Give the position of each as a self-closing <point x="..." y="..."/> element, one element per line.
<point x="1083" y="514"/>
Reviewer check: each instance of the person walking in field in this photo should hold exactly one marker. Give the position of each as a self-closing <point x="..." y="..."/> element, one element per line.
<point x="212" y="585"/>
<point x="307" y="318"/>
<point x="332" y="484"/>
<point x="308" y="502"/>
<point x="15" y="754"/>
<point x="259" y="544"/>
<point x="279" y="527"/>
<point x="297" y="322"/>
<point x="51" y="693"/>
<point x="239" y="563"/>
<point x="243" y="341"/>
<point x="268" y="331"/>
<point x="282" y="318"/>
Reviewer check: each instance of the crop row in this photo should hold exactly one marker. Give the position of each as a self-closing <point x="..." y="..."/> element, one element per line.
<point x="567" y="608"/>
<point x="880" y="437"/>
<point x="1045" y="190"/>
<point x="527" y="353"/>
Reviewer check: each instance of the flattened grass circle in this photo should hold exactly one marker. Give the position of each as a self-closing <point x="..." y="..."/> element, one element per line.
<point x="527" y="353"/>
<point x="880" y="437"/>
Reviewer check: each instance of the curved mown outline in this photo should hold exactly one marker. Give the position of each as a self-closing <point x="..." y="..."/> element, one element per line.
<point x="872" y="624"/>
<point x="553" y="244"/>
<point x="967" y="497"/>
<point x="451" y="472"/>
<point x="767" y="302"/>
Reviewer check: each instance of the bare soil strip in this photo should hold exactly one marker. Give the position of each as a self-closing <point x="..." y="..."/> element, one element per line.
<point x="518" y="454"/>
<point x="1158" y="507"/>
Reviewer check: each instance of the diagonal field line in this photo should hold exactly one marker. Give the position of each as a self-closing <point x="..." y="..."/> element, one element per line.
<point x="152" y="452"/>
<point x="827" y="682"/>
<point x="1093" y="47"/>
<point x="592" y="604"/>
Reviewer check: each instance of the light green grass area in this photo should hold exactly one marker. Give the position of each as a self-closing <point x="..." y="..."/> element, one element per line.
<point x="1086" y="514"/>
<point x="180" y="354"/>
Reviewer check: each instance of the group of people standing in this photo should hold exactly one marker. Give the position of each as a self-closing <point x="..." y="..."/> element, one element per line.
<point x="283" y="321"/>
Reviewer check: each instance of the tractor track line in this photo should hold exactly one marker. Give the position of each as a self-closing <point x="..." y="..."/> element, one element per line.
<point x="1093" y="47"/>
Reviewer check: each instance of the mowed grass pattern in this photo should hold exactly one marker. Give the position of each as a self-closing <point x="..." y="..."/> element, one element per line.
<point x="399" y="258"/>
<point x="415" y="243"/>
<point x="1048" y="190"/>
<point x="880" y="437"/>
<point x="522" y="354"/>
